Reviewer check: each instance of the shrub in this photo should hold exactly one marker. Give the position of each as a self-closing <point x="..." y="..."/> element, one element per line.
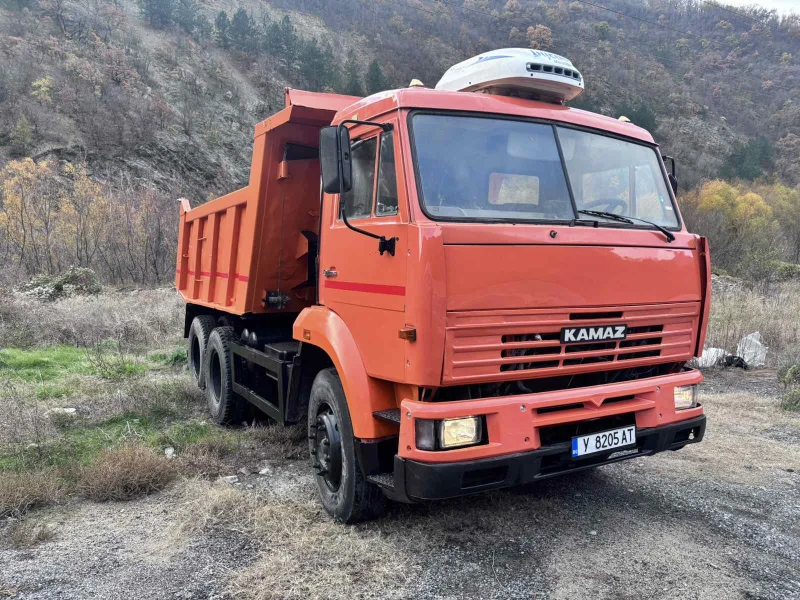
<point x="76" y="281"/>
<point x="21" y="492"/>
<point x="785" y="271"/>
<point x="27" y="534"/>
<point x="791" y="401"/>
<point x="124" y="473"/>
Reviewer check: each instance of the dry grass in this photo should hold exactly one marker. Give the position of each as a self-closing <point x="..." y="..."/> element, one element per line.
<point x="25" y="534"/>
<point x="22" y="492"/>
<point x="142" y="318"/>
<point x="305" y="554"/>
<point x="124" y="473"/>
<point x="737" y="311"/>
<point x="290" y="443"/>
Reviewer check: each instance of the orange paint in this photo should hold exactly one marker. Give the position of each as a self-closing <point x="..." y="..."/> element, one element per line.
<point x="466" y="289"/>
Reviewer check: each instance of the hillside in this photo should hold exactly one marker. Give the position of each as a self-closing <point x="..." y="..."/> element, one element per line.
<point x="143" y="101"/>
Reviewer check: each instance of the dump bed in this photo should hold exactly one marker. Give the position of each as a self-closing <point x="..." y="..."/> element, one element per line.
<point x="252" y="251"/>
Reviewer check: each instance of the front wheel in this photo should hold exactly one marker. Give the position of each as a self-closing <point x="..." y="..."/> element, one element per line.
<point x="345" y="494"/>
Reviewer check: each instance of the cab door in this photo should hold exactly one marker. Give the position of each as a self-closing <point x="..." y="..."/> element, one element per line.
<point x="367" y="289"/>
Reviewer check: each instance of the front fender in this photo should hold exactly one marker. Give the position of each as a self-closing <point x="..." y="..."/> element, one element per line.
<point x="319" y="326"/>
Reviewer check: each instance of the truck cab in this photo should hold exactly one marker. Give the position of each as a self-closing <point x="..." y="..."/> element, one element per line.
<point x="490" y="289"/>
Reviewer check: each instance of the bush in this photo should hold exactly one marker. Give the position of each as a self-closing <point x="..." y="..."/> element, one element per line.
<point x="76" y="281"/>
<point x="26" y="534"/>
<point x="791" y="401"/>
<point x="124" y="473"/>
<point x="21" y="492"/>
<point x="785" y="271"/>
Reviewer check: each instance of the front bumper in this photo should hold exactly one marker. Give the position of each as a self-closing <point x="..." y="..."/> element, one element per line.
<point x="414" y="480"/>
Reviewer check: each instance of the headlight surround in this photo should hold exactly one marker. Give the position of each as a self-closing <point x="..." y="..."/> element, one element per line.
<point x="456" y="433"/>
<point x="685" y="397"/>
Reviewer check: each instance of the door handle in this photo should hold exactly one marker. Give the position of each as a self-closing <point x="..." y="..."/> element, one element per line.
<point x="330" y="272"/>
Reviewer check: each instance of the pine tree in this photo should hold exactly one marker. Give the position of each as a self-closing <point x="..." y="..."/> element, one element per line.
<point x="376" y="80"/>
<point x="312" y="66"/>
<point x="352" y="75"/>
<point x="159" y="14"/>
<point x="186" y="15"/>
<point x="21" y="138"/>
<point x="222" y="30"/>
<point x="242" y="31"/>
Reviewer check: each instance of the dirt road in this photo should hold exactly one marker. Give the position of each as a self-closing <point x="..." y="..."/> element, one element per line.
<point x="717" y="520"/>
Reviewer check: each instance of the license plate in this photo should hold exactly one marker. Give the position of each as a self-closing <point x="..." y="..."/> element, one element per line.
<point x="605" y="440"/>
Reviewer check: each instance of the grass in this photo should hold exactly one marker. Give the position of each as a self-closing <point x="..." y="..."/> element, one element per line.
<point x="124" y="473"/>
<point x="21" y="492"/>
<point x="25" y="534"/>
<point x="43" y="364"/>
<point x="737" y="310"/>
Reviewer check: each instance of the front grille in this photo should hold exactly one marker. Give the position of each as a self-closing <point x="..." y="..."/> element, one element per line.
<point x="498" y="346"/>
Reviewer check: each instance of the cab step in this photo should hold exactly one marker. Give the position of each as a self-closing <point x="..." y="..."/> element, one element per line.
<point x="391" y="415"/>
<point x="384" y="480"/>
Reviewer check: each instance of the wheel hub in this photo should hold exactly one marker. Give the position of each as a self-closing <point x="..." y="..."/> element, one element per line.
<point x="327" y="448"/>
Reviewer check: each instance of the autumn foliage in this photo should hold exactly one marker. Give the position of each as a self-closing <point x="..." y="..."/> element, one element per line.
<point x="752" y="228"/>
<point x="55" y="216"/>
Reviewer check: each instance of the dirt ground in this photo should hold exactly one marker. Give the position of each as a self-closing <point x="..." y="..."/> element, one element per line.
<point x="720" y="519"/>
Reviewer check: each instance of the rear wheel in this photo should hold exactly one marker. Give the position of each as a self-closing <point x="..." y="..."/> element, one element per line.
<point x="344" y="492"/>
<point x="196" y="343"/>
<point x="223" y="404"/>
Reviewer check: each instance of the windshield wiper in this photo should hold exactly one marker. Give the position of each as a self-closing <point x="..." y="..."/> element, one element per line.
<point x="630" y="220"/>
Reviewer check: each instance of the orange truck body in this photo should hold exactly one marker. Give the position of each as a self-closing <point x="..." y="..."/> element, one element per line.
<point x="451" y="306"/>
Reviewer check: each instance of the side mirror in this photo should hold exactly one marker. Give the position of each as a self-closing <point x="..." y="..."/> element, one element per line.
<point x="673" y="181"/>
<point x="331" y="151"/>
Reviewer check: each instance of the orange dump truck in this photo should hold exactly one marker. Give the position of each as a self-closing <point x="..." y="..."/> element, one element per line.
<point x="457" y="289"/>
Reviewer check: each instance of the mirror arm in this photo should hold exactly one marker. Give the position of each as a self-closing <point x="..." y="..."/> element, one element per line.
<point x="384" y="244"/>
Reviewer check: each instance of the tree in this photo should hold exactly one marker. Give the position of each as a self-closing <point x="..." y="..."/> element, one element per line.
<point x="186" y="15"/>
<point x="21" y="138"/>
<point x="222" y="30"/>
<point x="375" y="80"/>
<point x="242" y="32"/>
<point x="540" y="37"/>
<point x="352" y="75"/>
<point x="312" y="65"/>
<point x="749" y="160"/>
<point x="159" y="14"/>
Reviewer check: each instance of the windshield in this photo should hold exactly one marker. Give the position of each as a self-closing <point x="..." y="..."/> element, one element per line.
<point x="479" y="168"/>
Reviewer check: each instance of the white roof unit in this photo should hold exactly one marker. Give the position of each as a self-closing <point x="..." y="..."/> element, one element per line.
<point x="516" y="72"/>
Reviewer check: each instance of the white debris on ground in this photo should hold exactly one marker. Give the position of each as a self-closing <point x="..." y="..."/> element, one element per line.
<point x="711" y="357"/>
<point x="752" y="350"/>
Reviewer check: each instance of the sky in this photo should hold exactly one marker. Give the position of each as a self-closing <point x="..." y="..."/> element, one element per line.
<point x="782" y="6"/>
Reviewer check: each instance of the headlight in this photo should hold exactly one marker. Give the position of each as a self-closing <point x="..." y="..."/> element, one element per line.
<point x="685" y="397"/>
<point x="454" y="433"/>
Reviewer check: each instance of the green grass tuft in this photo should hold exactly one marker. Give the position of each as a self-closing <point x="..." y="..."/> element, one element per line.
<point x="43" y="364"/>
<point x="173" y="358"/>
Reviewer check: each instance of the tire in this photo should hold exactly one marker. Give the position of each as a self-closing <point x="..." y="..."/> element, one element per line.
<point x="352" y="498"/>
<point x="196" y="344"/>
<point x="225" y="407"/>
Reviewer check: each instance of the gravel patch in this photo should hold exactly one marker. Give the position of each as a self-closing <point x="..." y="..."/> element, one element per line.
<point x="720" y="519"/>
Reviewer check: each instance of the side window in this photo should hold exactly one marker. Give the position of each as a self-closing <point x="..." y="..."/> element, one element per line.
<point x="387" y="178"/>
<point x="358" y="201"/>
